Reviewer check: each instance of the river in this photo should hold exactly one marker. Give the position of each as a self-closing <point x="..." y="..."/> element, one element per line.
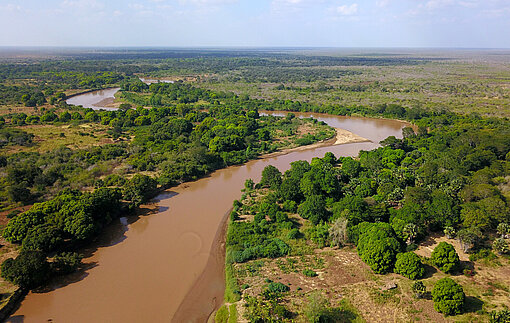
<point x="150" y="267"/>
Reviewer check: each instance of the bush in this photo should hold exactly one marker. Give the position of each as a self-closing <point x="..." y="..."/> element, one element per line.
<point x="309" y="273"/>
<point x="503" y="229"/>
<point x="30" y="269"/>
<point x="316" y="307"/>
<point x="500" y="246"/>
<point x="294" y="234"/>
<point x="450" y="232"/>
<point x="445" y="257"/>
<point x="482" y="254"/>
<point x="419" y="289"/>
<point x="338" y="232"/>
<point x="469" y="239"/>
<point x="409" y="265"/>
<point x="448" y="297"/>
<point x="277" y="287"/>
<point x="502" y="316"/>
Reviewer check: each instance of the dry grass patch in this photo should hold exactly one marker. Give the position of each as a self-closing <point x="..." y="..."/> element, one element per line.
<point x="50" y="137"/>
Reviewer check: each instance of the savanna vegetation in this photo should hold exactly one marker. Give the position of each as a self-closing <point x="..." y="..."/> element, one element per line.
<point x="316" y="243"/>
<point x="385" y="203"/>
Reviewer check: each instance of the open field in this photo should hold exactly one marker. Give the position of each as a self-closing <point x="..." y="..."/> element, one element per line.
<point x="456" y="85"/>
<point x="51" y="137"/>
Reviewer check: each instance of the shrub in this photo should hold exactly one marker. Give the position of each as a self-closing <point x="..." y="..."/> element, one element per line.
<point x="448" y="297"/>
<point x="338" y="232"/>
<point x="409" y="265"/>
<point x="419" y="289"/>
<point x="277" y="287"/>
<point x="503" y="229"/>
<point x="482" y="254"/>
<point x="378" y="246"/>
<point x="294" y="234"/>
<point x="469" y="238"/>
<point x="380" y="255"/>
<point x="450" y="232"/>
<point x="290" y="206"/>
<point x="500" y="246"/>
<point x="309" y="273"/>
<point x="502" y="316"/>
<point x="316" y="307"/>
<point x="445" y="257"/>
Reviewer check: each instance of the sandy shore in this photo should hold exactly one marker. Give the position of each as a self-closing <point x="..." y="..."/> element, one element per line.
<point x="346" y="137"/>
<point x="342" y="137"/>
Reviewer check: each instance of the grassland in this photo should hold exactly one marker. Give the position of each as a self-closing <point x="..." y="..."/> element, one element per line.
<point x="460" y="85"/>
<point x="50" y="137"/>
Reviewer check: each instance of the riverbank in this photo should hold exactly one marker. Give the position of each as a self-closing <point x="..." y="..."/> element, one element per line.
<point x="173" y="247"/>
<point x="342" y="137"/>
<point x="199" y="295"/>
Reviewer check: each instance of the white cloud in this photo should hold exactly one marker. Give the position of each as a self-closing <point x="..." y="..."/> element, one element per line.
<point x="382" y="3"/>
<point x="208" y="2"/>
<point x="81" y="4"/>
<point x="347" y="10"/>
<point x="469" y="4"/>
<point x="497" y="12"/>
<point x="136" y="6"/>
<point x="436" y="4"/>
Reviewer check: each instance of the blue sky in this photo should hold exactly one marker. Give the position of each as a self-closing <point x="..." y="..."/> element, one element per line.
<point x="308" y="23"/>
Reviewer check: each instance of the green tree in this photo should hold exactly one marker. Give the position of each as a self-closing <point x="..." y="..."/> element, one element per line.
<point x="42" y="237"/>
<point x="271" y="177"/>
<point x="313" y="209"/>
<point x="29" y="269"/>
<point x="445" y="257"/>
<point x="139" y="189"/>
<point x="66" y="262"/>
<point x="448" y="297"/>
<point x="409" y="265"/>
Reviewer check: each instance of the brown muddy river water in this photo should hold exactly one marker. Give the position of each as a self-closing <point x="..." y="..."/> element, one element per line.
<point x="148" y="268"/>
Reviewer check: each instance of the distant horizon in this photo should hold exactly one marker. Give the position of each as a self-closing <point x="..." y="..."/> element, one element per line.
<point x="458" y="24"/>
<point x="223" y="47"/>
